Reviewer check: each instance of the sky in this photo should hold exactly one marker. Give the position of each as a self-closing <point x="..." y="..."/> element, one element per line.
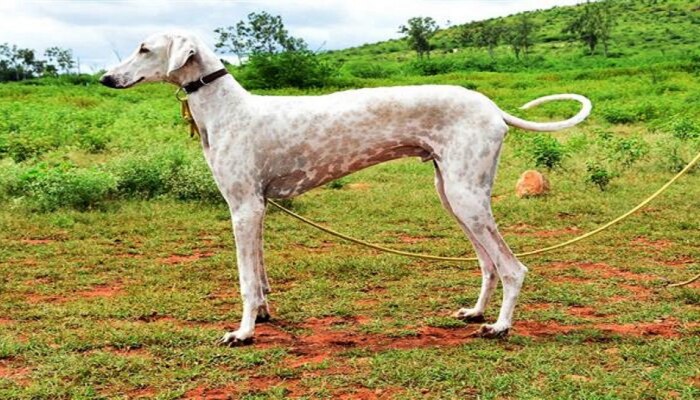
<point x="97" y="31"/>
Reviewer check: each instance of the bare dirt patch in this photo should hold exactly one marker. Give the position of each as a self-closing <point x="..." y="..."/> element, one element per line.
<point x="557" y="232"/>
<point x="17" y="375"/>
<point x="95" y="292"/>
<point x="669" y="328"/>
<point x="584" y="312"/>
<point x="142" y="393"/>
<point x="642" y="241"/>
<point x="179" y="259"/>
<point x="536" y="306"/>
<point x="101" y="291"/>
<point x="412" y="239"/>
<point x="39" y="241"/>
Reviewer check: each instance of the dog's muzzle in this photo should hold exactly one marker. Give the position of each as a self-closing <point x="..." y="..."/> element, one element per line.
<point x="108" y="80"/>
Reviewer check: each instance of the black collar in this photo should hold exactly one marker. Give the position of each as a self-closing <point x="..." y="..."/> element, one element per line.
<point x="203" y="81"/>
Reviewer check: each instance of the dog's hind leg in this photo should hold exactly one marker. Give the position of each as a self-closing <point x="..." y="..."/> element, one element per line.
<point x="488" y="269"/>
<point x="247" y="220"/>
<point x="467" y="188"/>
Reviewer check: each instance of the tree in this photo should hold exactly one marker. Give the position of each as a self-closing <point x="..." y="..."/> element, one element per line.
<point x="520" y="36"/>
<point x="484" y="34"/>
<point x="62" y="57"/>
<point x="418" y="33"/>
<point x="262" y="33"/>
<point x="274" y="58"/>
<point x="593" y="25"/>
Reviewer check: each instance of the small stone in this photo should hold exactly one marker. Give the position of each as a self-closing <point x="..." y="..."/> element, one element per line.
<point x="531" y="183"/>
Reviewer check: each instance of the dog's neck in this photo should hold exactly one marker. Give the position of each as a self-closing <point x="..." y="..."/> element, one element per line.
<point x="222" y="96"/>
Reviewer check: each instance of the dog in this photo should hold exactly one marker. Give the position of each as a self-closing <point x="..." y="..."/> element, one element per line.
<point x="261" y="147"/>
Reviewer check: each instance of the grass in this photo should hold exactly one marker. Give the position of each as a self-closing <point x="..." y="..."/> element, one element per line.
<point x="117" y="265"/>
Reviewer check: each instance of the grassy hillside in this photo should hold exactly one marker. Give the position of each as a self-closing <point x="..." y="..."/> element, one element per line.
<point x="646" y="32"/>
<point x="117" y="264"/>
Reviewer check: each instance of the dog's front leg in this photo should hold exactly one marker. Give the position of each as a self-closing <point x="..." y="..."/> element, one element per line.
<point x="247" y="227"/>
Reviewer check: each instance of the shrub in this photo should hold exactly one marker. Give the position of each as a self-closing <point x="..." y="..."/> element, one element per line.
<point x="22" y="147"/>
<point x="629" y="151"/>
<point x="10" y="184"/>
<point x="194" y="181"/>
<point x="685" y="129"/>
<point x="368" y="70"/>
<point x="94" y="142"/>
<point x="301" y="69"/>
<point x="428" y="66"/>
<point x="546" y="151"/>
<point x="146" y="176"/>
<point x="598" y="175"/>
<point x="336" y="184"/>
<point x="66" y="186"/>
<point x="629" y="114"/>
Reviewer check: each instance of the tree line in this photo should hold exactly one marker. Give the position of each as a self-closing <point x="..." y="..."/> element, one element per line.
<point x="592" y="25"/>
<point x="21" y="63"/>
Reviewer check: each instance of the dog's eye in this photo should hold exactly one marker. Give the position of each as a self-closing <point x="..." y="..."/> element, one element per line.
<point x="143" y="50"/>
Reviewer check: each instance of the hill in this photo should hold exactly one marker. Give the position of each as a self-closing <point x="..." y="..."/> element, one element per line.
<point x="646" y="32"/>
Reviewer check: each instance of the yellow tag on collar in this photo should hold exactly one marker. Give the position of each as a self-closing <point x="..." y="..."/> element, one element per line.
<point x="187" y="116"/>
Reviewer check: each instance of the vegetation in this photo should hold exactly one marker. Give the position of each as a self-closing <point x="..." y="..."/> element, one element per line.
<point x="273" y="58"/>
<point x="117" y="260"/>
<point x="418" y="32"/>
<point x="19" y="63"/>
<point x="593" y="25"/>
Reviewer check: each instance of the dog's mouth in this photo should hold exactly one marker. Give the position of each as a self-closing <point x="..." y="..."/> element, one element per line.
<point x="132" y="83"/>
<point x="110" y="81"/>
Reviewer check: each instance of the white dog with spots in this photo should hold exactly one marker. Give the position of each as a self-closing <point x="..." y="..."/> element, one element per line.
<point x="262" y="147"/>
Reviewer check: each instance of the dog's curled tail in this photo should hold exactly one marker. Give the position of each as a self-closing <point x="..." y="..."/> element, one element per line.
<point x="550" y="126"/>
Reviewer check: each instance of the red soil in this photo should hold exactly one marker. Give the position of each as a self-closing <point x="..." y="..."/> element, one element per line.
<point x="95" y="292"/>
<point x="412" y="239"/>
<point x="34" y="242"/>
<point x="18" y="375"/>
<point x="178" y="259"/>
<point x="642" y="241"/>
<point x="100" y="291"/>
<point x="557" y="232"/>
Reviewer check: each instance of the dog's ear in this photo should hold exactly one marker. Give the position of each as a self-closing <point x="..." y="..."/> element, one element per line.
<point x="181" y="49"/>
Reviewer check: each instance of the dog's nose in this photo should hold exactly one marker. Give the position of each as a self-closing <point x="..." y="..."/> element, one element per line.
<point x="108" y="81"/>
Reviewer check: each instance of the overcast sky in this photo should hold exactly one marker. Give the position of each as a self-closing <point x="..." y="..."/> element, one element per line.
<point x="95" y="29"/>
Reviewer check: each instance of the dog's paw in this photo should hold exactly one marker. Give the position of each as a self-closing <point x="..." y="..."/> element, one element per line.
<point x="263" y="316"/>
<point x="493" y="332"/>
<point x="235" y="339"/>
<point x="469" y="315"/>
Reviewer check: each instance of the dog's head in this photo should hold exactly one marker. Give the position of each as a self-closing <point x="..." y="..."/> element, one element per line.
<point x="162" y="57"/>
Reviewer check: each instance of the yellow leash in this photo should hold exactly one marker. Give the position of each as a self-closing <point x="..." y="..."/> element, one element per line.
<point x="187" y="116"/>
<point x="523" y="254"/>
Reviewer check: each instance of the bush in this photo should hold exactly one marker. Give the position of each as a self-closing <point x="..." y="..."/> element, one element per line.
<point x="368" y="70"/>
<point x="337" y="184"/>
<point x="66" y="186"/>
<point x="94" y="142"/>
<point x="629" y="151"/>
<point x="629" y="114"/>
<point x="22" y="147"/>
<point x="428" y="67"/>
<point x="146" y="176"/>
<point x="301" y="69"/>
<point x="194" y="181"/>
<point x="598" y="175"/>
<point x="685" y="129"/>
<point x="545" y="151"/>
